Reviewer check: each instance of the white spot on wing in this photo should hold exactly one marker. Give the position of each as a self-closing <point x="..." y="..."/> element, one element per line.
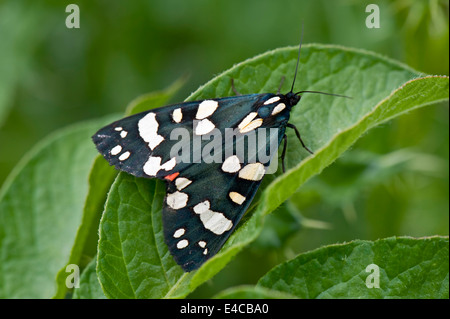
<point x="177" y="200"/>
<point x="182" y="182"/>
<point x="182" y="244"/>
<point x="231" y="164"/>
<point x="248" y="124"/>
<point x="213" y="221"/>
<point x="177" y="115"/>
<point x="169" y="164"/>
<point x="118" y="129"/>
<point x="153" y="165"/>
<point x="148" y="130"/>
<point x="178" y="233"/>
<point x="202" y="207"/>
<point x="272" y="100"/>
<point x="124" y="156"/>
<point x="251" y="126"/>
<point x="206" y="108"/>
<point x="252" y="172"/>
<point x="123" y="134"/>
<point x="247" y="120"/>
<point x="204" y="127"/>
<point x="202" y="243"/>
<point x="116" y="150"/>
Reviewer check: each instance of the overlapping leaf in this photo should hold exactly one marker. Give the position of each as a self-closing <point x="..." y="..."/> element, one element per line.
<point x="389" y="268"/>
<point x="41" y="210"/>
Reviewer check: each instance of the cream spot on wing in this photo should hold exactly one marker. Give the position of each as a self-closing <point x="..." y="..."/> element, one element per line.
<point x="177" y="200"/>
<point x="116" y="150"/>
<point x="251" y="126"/>
<point x="177" y="115"/>
<point x="231" y="164"/>
<point x="247" y="120"/>
<point x="182" y="244"/>
<point x="237" y="198"/>
<point x="202" y="243"/>
<point x="213" y="221"/>
<point x="153" y="165"/>
<point x="202" y="207"/>
<point x="277" y="109"/>
<point x="272" y="100"/>
<point x="252" y="172"/>
<point x="182" y="182"/>
<point x="123" y="134"/>
<point x="178" y="233"/>
<point x="206" y="108"/>
<point x="148" y="130"/>
<point x="169" y="164"/>
<point x="204" y="127"/>
<point x="124" y="156"/>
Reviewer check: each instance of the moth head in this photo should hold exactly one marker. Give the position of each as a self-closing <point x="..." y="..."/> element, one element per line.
<point x="292" y="98"/>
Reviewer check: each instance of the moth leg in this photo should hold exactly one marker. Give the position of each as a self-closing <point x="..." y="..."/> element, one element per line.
<point x="281" y="84"/>
<point x="299" y="137"/>
<point x="283" y="153"/>
<point x="234" y="88"/>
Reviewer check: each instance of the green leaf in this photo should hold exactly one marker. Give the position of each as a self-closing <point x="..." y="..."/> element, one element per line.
<point x="279" y="226"/>
<point x="133" y="260"/>
<point x="41" y="206"/>
<point x="252" y="292"/>
<point x="100" y="180"/>
<point x="381" y="89"/>
<point x="49" y="188"/>
<point x="407" y="268"/>
<point x="155" y="99"/>
<point x="101" y="177"/>
<point x="89" y="286"/>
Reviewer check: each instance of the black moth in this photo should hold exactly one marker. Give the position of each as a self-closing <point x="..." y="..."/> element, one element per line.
<point x="205" y="199"/>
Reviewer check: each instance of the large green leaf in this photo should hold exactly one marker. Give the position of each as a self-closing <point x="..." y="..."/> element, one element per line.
<point x="89" y="286"/>
<point x="389" y="268"/>
<point x="133" y="260"/>
<point x="41" y="209"/>
<point x="101" y="176"/>
<point x="131" y="245"/>
<point x="51" y="205"/>
<point x="100" y="179"/>
<point x="252" y="292"/>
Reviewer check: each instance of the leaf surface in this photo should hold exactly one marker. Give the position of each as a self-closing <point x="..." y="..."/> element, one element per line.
<point x="41" y="208"/>
<point x="401" y="267"/>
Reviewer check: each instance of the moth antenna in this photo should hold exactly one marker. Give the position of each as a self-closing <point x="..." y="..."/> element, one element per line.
<point x="298" y="60"/>
<point x="324" y="93"/>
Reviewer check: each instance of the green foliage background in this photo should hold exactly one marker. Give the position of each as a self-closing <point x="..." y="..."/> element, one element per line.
<point x="393" y="181"/>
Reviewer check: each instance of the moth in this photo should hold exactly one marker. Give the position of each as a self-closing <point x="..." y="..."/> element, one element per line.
<point x="205" y="198"/>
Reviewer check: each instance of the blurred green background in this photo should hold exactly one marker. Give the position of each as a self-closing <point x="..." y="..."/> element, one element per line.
<point x="394" y="181"/>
